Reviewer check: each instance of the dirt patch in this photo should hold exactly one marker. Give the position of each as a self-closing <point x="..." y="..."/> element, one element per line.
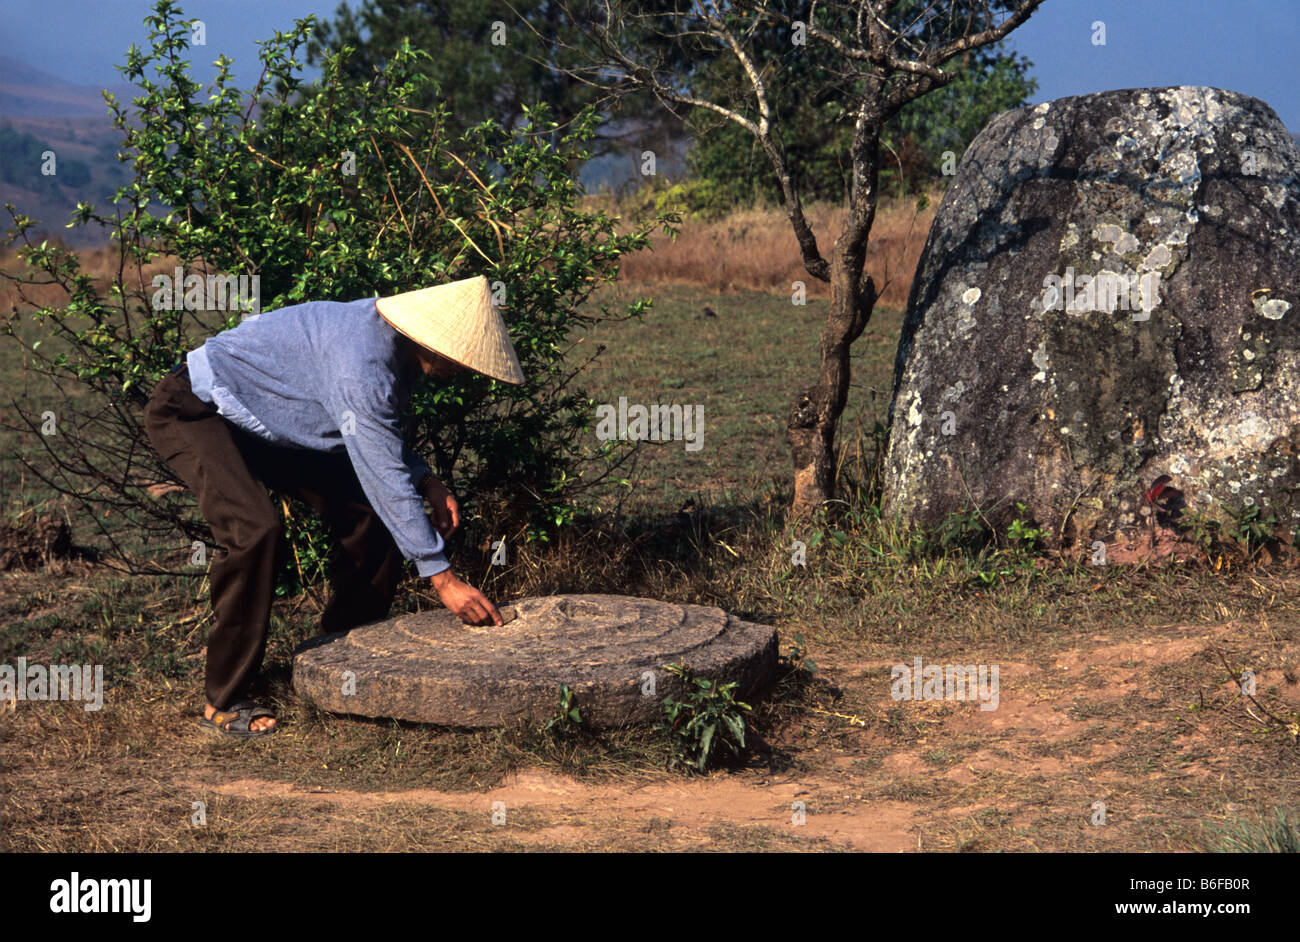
<point x="1094" y="706"/>
<point x="1131" y="654"/>
<point x="29" y="544"/>
<point x="692" y="808"/>
<point x="1167" y="545"/>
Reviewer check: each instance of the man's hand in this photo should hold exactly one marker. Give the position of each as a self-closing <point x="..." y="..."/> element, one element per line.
<point x="446" y="512"/>
<point x="464" y="600"/>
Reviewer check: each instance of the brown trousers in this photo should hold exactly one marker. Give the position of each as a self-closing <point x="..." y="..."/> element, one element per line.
<point x="229" y="471"/>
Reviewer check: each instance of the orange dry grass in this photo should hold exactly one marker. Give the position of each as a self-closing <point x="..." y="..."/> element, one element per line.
<point x="756" y="249"/>
<point x="100" y="264"/>
<point x="751" y="249"/>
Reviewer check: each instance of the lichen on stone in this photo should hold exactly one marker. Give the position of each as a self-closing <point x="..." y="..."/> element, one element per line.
<point x="1158" y="201"/>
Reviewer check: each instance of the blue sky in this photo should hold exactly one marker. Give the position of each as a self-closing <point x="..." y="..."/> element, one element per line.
<point x="1250" y="46"/>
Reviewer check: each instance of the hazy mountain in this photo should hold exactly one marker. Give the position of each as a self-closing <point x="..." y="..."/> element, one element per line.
<point x="26" y="91"/>
<point x="40" y="114"/>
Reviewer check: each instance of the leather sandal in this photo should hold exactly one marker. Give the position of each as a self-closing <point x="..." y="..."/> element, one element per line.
<point x="237" y="720"/>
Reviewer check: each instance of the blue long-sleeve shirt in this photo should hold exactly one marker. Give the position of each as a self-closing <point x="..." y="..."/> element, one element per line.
<point x="328" y="376"/>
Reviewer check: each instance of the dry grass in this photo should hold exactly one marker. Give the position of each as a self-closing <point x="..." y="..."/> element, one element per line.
<point x="1114" y="685"/>
<point x="100" y="263"/>
<point x="756" y="250"/>
<point x="1112" y="690"/>
<point x="752" y="249"/>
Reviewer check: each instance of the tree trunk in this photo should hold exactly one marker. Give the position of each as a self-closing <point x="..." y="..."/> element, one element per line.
<point x="815" y="415"/>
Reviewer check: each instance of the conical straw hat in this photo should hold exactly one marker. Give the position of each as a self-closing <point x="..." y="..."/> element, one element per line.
<point x="457" y="321"/>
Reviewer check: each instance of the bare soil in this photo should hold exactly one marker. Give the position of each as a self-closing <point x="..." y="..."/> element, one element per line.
<point x="1147" y="721"/>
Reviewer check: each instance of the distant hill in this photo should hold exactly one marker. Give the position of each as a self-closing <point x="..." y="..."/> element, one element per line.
<point x="26" y="91"/>
<point x="40" y="113"/>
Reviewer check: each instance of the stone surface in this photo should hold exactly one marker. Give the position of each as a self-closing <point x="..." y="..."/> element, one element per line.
<point x="1008" y="390"/>
<point x="431" y="668"/>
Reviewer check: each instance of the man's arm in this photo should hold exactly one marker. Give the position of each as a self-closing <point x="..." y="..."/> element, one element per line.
<point x="379" y="455"/>
<point x="446" y="511"/>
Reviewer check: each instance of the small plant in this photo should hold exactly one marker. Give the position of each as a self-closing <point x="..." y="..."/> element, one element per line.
<point x="797" y="670"/>
<point x="1022" y="535"/>
<point x="963" y="531"/>
<point x="838" y="537"/>
<point x="798" y="658"/>
<point x="1250" y="530"/>
<point x="710" y="714"/>
<point x="991" y="576"/>
<point x="1253" y="530"/>
<point x="1202" y="529"/>
<point x="567" y="715"/>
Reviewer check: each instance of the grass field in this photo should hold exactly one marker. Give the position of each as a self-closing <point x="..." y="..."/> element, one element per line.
<point x="1118" y="685"/>
<point x="743" y="365"/>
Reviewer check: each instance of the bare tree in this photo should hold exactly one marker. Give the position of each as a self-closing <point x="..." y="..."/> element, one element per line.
<point x="882" y="54"/>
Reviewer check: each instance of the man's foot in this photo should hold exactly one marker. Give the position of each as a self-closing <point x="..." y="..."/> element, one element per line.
<point x="244" y="719"/>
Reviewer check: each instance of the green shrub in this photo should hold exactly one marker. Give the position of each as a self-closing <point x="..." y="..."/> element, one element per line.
<point x="1253" y="529"/>
<point x="709" y="716"/>
<point x="335" y="190"/>
<point x="693" y="198"/>
<point x="1247" y="531"/>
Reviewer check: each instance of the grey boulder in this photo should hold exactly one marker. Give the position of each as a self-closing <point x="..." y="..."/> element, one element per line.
<point x="1110" y="292"/>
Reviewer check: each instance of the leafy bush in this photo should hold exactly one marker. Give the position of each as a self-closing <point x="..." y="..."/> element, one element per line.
<point x="1243" y="533"/>
<point x="701" y="199"/>
<point x="336" y="190"/>
<point x="710" y="715"/>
